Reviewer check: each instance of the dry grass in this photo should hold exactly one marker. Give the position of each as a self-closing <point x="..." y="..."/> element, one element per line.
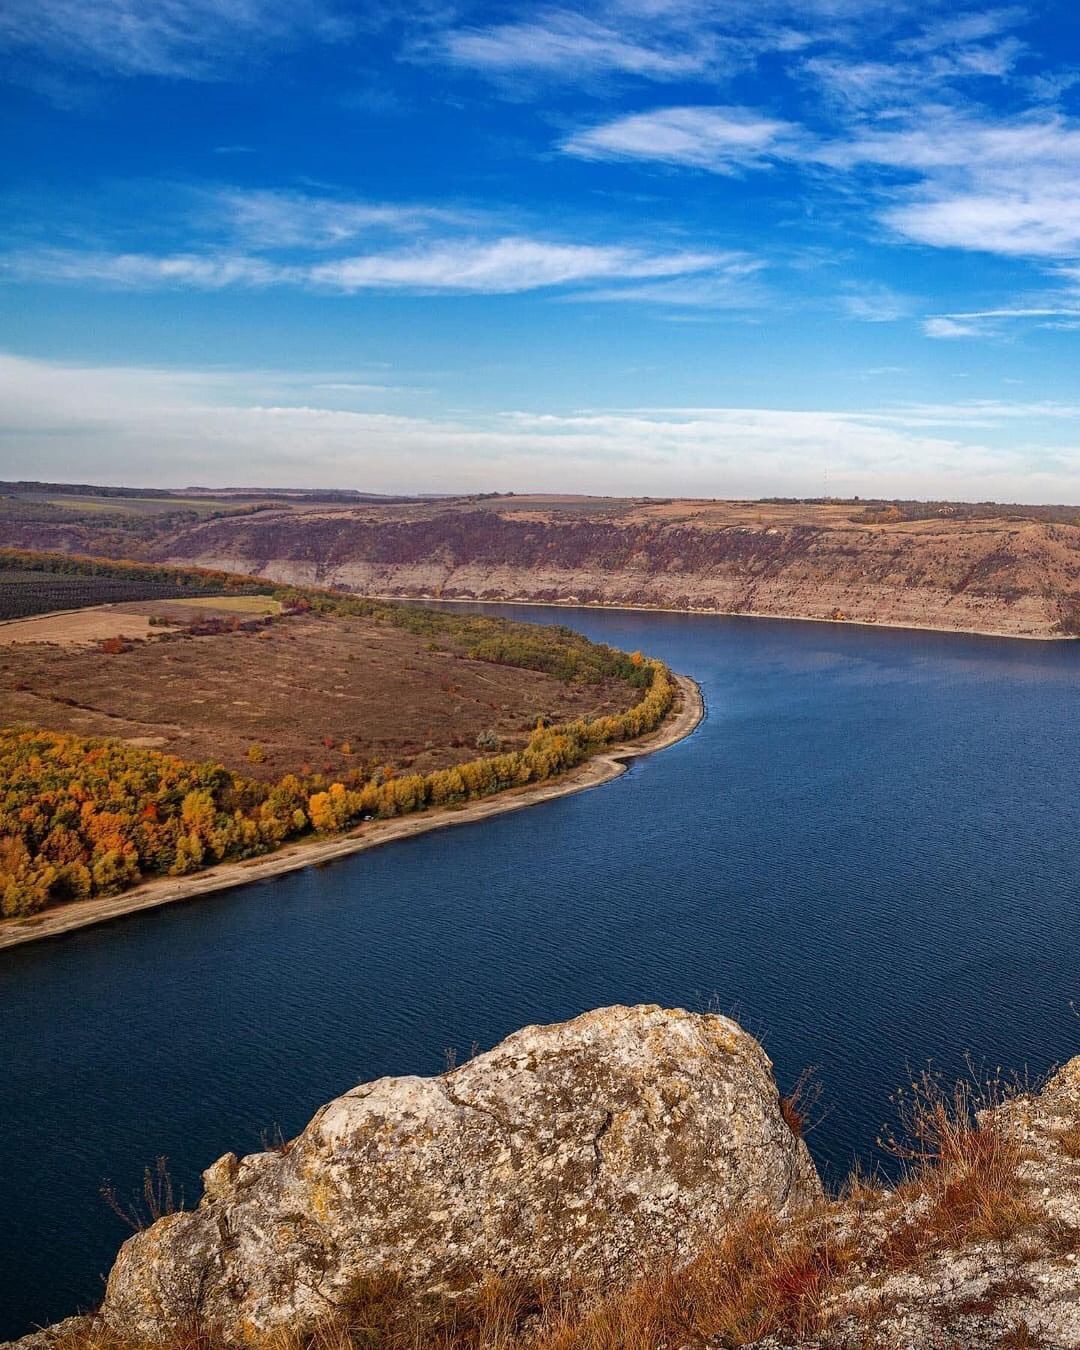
<point x="760" y="1278"/>
<point x="1020" y="1336"/>
<point x="343" y="696"/>
<point x="963" y="1181"/>
<point x="798" y="1107"/>
<point x="1069" y="1141"/>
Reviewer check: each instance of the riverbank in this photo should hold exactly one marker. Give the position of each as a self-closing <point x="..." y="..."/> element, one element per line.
<point x="600" y="768"/>
<point x="726" y="614"/>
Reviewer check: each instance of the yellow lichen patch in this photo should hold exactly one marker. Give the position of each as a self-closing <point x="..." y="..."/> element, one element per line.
<point x="321" y="1197"/>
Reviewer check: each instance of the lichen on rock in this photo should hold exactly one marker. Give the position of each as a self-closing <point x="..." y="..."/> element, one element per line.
<point x="575" y="1152"/>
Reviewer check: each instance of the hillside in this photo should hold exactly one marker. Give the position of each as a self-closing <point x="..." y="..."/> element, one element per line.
<point x="154" y="737"/>
<point x="1008" y="570"/>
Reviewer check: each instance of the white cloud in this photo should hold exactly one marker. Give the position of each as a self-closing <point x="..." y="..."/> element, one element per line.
<point x="136" y="271"/>
<point x="867" y="85"/>
<point x="727" y="285"/>
<point x="876" y="303"/>
<point x="960" y="30"/>
<point x="567" y="44"/>
<point x="986" y="322"/>
<point x="269" y="218"/>
<point x="722" y="140"/>
<point x="1031" y="218"/>
<point x="948" y="51"/>
<point x="172" y="38"/>
<point x="212" y="427"/>
<point x="499" y="266"/>
<point x="941" y="326"/>
<point x="987" y="184"/>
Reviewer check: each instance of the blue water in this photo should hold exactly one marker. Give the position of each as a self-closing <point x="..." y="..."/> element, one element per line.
<point x="868" y="852"/>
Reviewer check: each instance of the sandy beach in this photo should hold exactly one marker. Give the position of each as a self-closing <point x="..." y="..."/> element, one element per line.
<point x="601" y="768"/>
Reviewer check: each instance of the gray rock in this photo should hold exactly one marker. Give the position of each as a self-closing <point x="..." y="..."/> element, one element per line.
<point x="583" y="1150"/>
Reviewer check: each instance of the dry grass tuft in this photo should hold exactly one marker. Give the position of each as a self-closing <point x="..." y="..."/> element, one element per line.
<point x="759" y="1279"/>
<point x="798" y="1107"/>
<point x="965" y="1174"/>
<point x="1069" y="1141"/>
<point x="1020" y="1336"/>
<point x="155" y="1200"/>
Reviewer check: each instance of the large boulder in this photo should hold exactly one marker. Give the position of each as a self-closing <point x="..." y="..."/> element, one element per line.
<point x="582" y="1150"/>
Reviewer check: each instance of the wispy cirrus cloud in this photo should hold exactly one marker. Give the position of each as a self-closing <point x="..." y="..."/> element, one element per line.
<point x="178" y="39"/>
<point x="275" y="218"/>
<point x="567" y="44"/>
<point x="724" y="140"/>
<point x="245" y="238"/>
<point x="468" y="266"/>
<point x="138" y="271"/>
<point x="945" y="327"/>
<point x="942" y="177"/>
<point x="945" y="52"/>
<point x="987" y="183"/>
<point x="669" y="40"/>
<point x="986" y="322"/>
<point x="503" y="266"/>
<point x="876" y="303"/>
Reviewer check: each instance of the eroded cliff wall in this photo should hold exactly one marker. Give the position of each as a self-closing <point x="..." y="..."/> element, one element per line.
<point x="1019" y="578"/>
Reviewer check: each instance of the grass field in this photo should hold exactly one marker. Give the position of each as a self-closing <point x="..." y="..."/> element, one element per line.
<point x="139" y="506"/>
<point x="314" y="693"/>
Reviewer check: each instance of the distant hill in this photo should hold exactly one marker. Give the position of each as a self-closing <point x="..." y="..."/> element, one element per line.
<point x="976" y="567"/>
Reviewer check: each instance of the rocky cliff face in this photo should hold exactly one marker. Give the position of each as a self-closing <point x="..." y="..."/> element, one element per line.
<point x="992" y="572"/>
<point x="583" y="1151"/>
<point x="1014" y="577"/>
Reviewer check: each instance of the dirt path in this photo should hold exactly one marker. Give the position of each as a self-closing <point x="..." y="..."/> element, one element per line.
<point x="601" y="768"/>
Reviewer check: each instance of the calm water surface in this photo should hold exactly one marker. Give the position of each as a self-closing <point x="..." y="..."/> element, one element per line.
<point x="869" y="853"/>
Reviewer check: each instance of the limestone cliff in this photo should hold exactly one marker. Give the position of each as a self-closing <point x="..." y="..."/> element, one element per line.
<point x="1014" y="571"/>
<point x="1015" y="577"/>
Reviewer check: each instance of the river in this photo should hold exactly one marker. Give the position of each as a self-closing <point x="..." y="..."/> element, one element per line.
<point x="868" y="853"/>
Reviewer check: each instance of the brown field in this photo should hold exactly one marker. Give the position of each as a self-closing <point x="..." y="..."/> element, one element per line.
<point x="77" y="627"/>
<point x="130" y="619"/>
<point x="337" y="695"/>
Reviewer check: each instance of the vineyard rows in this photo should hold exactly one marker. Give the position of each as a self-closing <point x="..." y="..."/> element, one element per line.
<point x="24" y="594"/>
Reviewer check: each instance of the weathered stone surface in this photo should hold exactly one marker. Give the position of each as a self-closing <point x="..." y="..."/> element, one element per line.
<point x="1022" y="1290"/>
<point x="79" y="1330"/>
<point x="586" y="1149"/>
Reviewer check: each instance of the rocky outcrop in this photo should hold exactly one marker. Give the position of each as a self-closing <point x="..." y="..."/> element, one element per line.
<point x="992" y="571"/>
<point x="1006" y="1274"/>
<point x="581" y="1151"/>
<point x="624" y="1142"/>
<point x="1017" y="578"/>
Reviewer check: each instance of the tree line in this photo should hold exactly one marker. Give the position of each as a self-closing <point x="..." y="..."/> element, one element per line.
<point x="83" y="817"/>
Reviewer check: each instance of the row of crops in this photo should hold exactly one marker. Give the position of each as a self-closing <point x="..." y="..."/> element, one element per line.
<point x="24" y="593"/>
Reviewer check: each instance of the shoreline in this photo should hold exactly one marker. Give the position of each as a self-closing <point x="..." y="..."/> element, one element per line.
<point x="602" y="767"/>
<point x="994" y="633"/>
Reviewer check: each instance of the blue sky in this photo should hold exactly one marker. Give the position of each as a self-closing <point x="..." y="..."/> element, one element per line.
<point x="651" y="246"/>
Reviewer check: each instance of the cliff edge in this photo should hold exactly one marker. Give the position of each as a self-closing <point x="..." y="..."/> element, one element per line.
<point x="628" y="1178"/>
